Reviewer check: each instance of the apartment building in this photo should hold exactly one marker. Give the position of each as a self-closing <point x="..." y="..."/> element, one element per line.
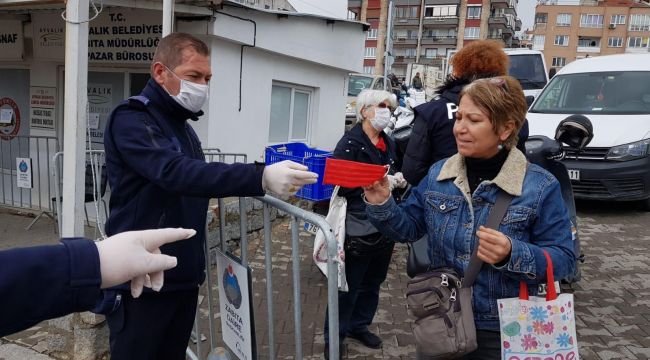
<point x="424" y="31"/>
<point x="567" y="31"/>
<point x="278" y="5"/>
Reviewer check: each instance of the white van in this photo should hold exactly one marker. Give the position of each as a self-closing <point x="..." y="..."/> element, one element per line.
<point x="527" y="66"/>
<point x="614" y="93"/>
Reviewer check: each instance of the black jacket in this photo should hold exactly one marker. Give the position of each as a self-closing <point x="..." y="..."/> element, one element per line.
<point x="356" y="146"/>
<point x="432" y="137"/>
<point x="159" y="178"/>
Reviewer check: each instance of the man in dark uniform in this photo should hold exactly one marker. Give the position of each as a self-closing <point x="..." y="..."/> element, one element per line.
<point x="44" y="282"/>
<point x="159" y="178"/>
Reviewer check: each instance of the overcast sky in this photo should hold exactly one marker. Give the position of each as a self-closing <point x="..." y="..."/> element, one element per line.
<point x="526" y="12"/>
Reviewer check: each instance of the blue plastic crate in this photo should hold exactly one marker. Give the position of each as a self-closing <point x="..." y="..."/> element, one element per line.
<point x="314" y="159"/>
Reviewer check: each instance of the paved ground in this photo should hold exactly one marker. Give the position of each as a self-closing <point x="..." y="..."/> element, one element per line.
<point x="612" y="300"/>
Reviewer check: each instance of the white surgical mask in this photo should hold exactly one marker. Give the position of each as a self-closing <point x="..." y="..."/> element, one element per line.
<point x="191" y="96"/>
<point x="381" y="119"/>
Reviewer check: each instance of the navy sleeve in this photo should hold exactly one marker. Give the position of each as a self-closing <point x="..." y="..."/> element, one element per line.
<point x="46" y="282"/>
<point x="418" y="156"/>
<point x="146" y="149"/>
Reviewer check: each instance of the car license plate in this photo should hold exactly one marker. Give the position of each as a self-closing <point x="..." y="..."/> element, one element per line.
<point x="574" y="174"/>
<point x="311" y="228"/>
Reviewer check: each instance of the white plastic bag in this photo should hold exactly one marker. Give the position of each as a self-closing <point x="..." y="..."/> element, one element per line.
<point x="336" y="218"/>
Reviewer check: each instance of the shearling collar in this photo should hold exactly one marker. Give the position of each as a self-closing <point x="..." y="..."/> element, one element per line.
<point x="510" y="179"/>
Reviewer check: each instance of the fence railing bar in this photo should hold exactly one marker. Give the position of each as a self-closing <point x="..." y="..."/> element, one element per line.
<point x="243" y="227"/>
<point x="208" y="278"/>
<point x="297" y="313"/>
<point x="269" y="279"/>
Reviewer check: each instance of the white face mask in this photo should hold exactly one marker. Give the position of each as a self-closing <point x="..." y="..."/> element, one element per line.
<point x="381" y="119"/>
<point x="191" y="96"/>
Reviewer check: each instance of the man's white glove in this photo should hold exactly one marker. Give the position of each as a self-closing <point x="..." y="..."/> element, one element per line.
<point x="397" y="181"/>
<point x="135" y="256"/>
<point x="286" y="178"/>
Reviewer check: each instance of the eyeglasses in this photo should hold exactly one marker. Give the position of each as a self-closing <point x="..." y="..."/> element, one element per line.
<point x="383" y="105"/>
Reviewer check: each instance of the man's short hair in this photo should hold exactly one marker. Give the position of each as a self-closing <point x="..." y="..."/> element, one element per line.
<point x="170" y="49"/>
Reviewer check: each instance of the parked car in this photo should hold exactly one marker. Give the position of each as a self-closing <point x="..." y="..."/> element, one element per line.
<point x="357" y="83"/>
<point x="614" y="93"/>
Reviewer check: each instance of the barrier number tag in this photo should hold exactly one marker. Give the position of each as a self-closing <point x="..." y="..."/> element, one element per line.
<point x="311" y="228"/>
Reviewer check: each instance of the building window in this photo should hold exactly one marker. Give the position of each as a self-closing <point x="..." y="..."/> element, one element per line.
<point x="558" y="61"/>
<point x="368" y="69"/>
<point x="561" y="40"/>
<point x="591" y="20"/>
<point x="472" y="32"/>
<point x="618" y="20"/>
<point x="372" y="34"/>
<point x="440" y="11"/>
<point x="406" y="12"/>
<point x="431" y="53"/>
<point x="639" y="22"/>
<point x="541" y="18"/>
<point x="538" y="42"/>
<point x="615" y="42"/>
<point x="290" y="113"/>
<point x="370" y="52"/>
<point x="410" y="52"/>
<point x="473" y="12"/>
<point x="563" y="20"/>
<point x="637" y="42"/>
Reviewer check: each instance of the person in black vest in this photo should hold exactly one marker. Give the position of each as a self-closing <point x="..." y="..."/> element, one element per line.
<point x="432" y="138"/>
<point x="159" y="178"/>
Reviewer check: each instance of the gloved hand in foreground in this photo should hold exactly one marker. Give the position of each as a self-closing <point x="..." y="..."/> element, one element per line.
<point x="286" y="178"/>
<point x="397" y="181"/>
<point x="135" y="256"/>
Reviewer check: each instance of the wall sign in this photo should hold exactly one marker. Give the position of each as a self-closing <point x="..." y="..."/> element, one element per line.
<point x="118" y="35"/>
<point x="11" y="40"/>
<point x="100" y="102"/>
<point x="42" y="105"/>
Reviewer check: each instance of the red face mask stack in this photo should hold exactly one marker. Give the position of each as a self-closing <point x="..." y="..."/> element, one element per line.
<point x="351" y="174"/>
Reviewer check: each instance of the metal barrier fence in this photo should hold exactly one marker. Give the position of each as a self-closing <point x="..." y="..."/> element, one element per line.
<point x="297" y="214"/>
<point x="95" y="185"/>
<point x="39" y="150"/>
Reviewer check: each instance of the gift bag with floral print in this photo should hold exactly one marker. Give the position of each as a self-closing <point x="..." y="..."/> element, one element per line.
<point x="538" y="328"/>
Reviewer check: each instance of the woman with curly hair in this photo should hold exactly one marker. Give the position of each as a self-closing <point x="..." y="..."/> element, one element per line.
<point x="432" y="139"/>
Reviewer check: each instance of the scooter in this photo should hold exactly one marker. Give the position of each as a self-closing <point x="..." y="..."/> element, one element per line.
<point x="574" y="132"/>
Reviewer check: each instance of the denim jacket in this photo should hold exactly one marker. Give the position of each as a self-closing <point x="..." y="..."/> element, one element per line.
<point x="443" y="207"/>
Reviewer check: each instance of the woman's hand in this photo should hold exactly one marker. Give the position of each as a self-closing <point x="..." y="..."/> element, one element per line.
<point x="493" y="245"/>
<point x="378" y="192"/>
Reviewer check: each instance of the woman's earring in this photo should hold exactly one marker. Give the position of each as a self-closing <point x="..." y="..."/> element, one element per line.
<point x="500" y="146"/>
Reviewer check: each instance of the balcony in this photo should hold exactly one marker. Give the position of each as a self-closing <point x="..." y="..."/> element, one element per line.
<point x="498" y="20"/>
<point x="540" y="26"/>
<point x="354" y="4"/>
<point x="405" y="41"/>
<point x="407" y="21"/>
<point x="438" y="40"/>
<point x="500" y="3"/>
<point x="589" y="49"/>
<point x="448" y="21"/>
<point x="518" y="24"/>
<point x="636" y="50"/>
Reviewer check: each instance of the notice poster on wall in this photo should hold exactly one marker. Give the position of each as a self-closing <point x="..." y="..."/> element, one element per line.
<point x="42" y="105"/>
<point x="100" y="102"/>
<point x="24" y="173"/>
<point x="235" y="298"/>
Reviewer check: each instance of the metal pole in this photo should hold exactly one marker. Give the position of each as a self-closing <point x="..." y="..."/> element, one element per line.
<point x="297" y="312"/>
<point x="269" y="279"/>
<point x="76" y="100"/>
<point x="417" y="50"/>
<point x="243" y="227"/>
<point x="168" y="17"/>
<point x="388" y="55"/>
